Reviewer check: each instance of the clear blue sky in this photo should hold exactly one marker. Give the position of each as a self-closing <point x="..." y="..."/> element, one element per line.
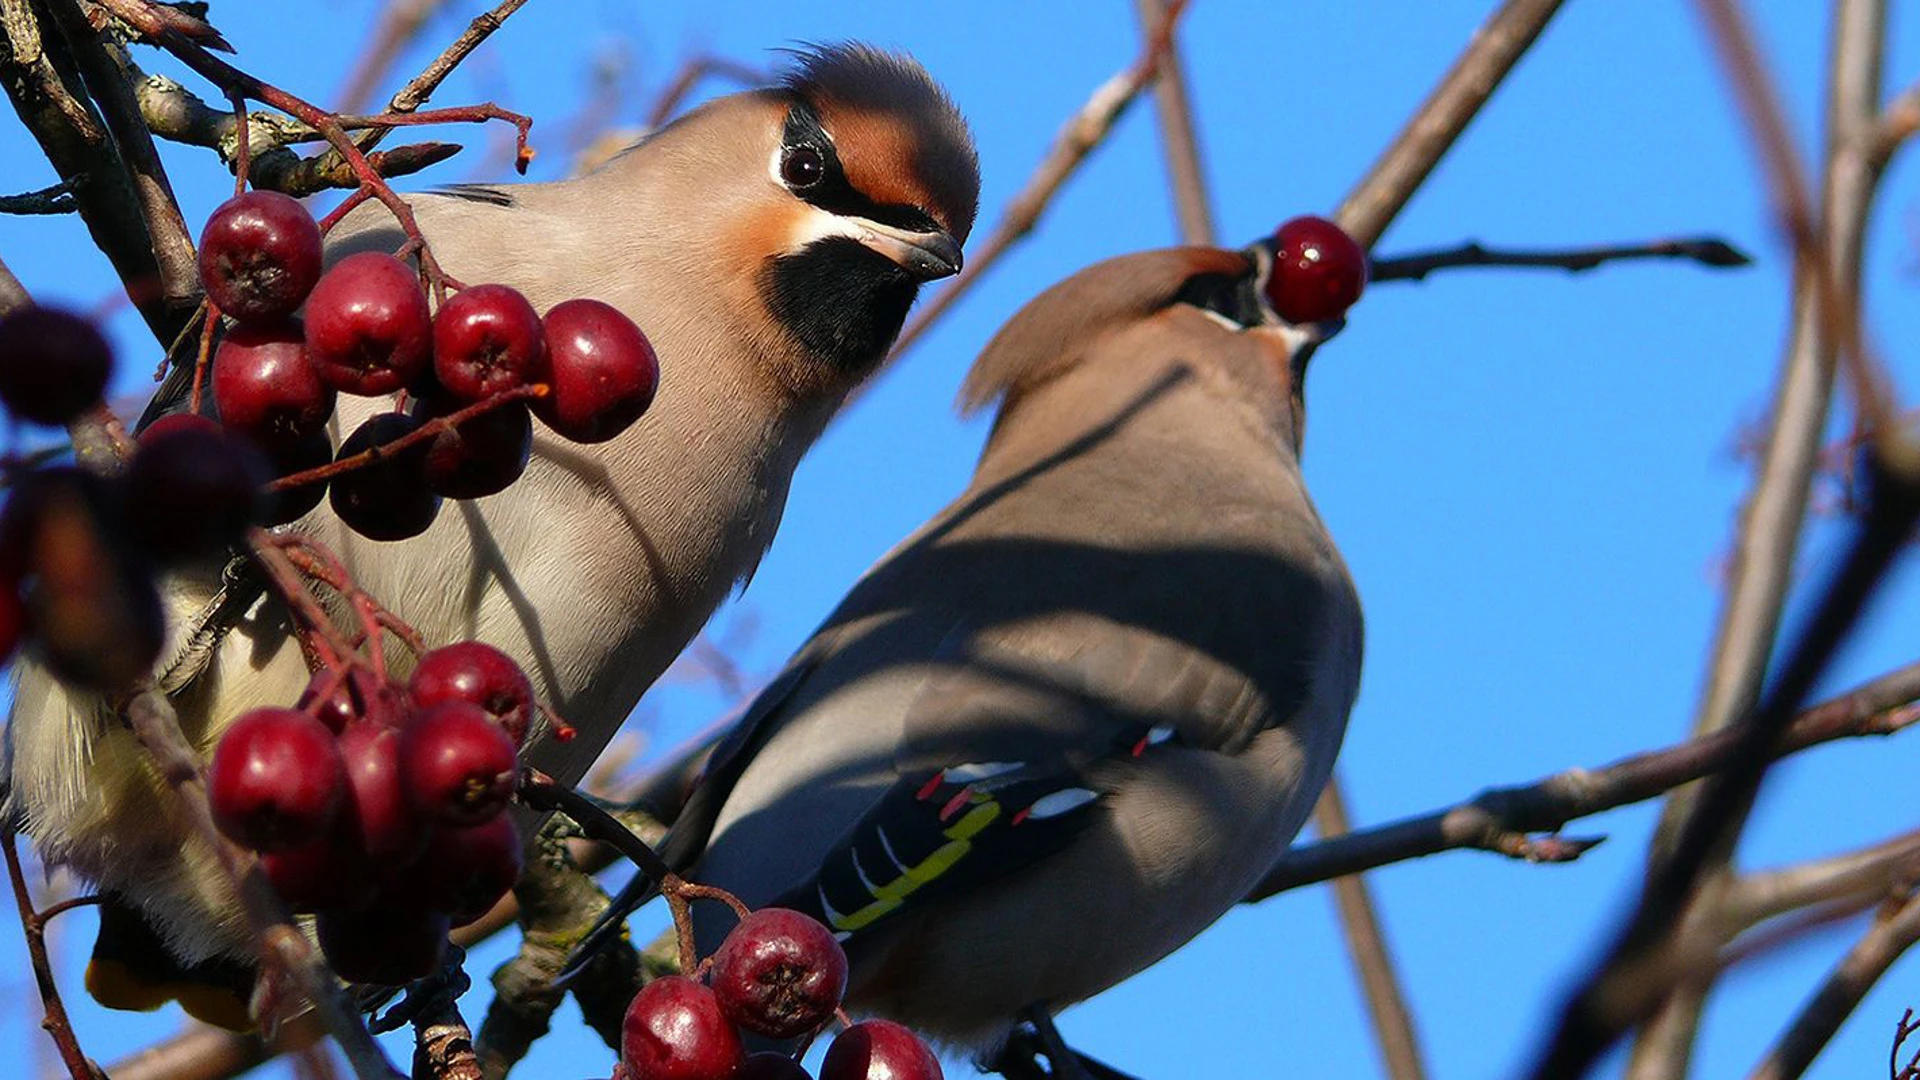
<point x="1532" y="476"/>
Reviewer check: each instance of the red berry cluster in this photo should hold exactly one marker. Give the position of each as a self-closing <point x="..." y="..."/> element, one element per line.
<point x="380" y="807"/>
<point x="779" y="974"/>
<point x="1318" y="271"/>
<point x="80" y="548"/>
<point x="368" y="330"/>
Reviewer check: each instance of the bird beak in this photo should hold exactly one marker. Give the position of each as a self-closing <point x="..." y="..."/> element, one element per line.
<point x="925" y="256"/>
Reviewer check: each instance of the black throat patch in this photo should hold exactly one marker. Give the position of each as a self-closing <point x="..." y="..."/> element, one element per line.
<point x="843" y="301"/>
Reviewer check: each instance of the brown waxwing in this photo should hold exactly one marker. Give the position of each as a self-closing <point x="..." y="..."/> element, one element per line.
<point x="1073" y="719"/>
<point x="770" y="244"/>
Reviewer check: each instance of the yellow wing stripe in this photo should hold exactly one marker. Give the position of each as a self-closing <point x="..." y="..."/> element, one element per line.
<point x="890" y="895"/>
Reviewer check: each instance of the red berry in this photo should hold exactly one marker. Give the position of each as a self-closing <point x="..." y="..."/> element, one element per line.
<point x="771" y="1065"/>
<point x="484" y="455"/>
<point x="386" y="499"/>
<point x="674" y="1030"/>
<point x="276" y="780"/>
<point x="91" y="606"/>
<point x="601" y="368"/>
<point x="1318" y="271"/>
<point x="879" y="1050"/>
<point x="486" y="338"/>
<point x="478" y="674"/>
<point x="389" y="945"/>
<point x="457" y="765"/>
<point x="465" y="871"/>
<point x="265" y="385"/>
<point x="779" y="973"/>
<point x="330" y="874"/>
<point x="296" y="456"/>
<point x="192" y="489"/>
<point x="13" y="616"/>
<point x="388" y="828"/>
<point x="54" y="365"/>
<point x="259" y="256"/>
<point x="356" y="695"/>
<point x="368" y="327"/>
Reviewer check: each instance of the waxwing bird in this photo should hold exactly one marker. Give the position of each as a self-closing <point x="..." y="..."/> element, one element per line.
<point x="770" y="244"/>
<point x="1067" y="724"/>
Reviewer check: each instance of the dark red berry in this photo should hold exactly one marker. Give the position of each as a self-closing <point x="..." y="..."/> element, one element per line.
<point x="192" y="489"/>
<point x="879" y="1050"/>
<point x="54" y="365"/>
<point x="355" y="695"/>
<point x="390" y="831"/>
<point x="1318" y="271"/>
<point x="385" y="499"/>
<point x="601" y="368"/>
<point x="457" y="765"/>
<point x="265" y="386"/>
<point x="779" y="973"/>
<point x="484" y="455"/>
<point x="276" y="780"/>
<point x="177" y="422"/>
<point x="13" y="616"/>
<point x="259" y="256"/>
<point x="368" y="327"/>
<point x="771" y="1065"/>
<point x="465" y="871"/>
<point x="487" y="338"/>
<point x="478" y="674"/>
<point x="330" y="874"/>
<point x="387" y="945"/>
<point x="674" y="1030"/>
<point x="288" y="458"/>
<point x="91" y="605"/>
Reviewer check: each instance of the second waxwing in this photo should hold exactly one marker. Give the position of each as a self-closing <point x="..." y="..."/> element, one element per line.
<point x="770" y="244"/>
<point x="1073" y="719"/>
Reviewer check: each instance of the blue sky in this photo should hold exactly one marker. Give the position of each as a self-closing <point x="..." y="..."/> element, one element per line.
<point x="1532" y="476"/>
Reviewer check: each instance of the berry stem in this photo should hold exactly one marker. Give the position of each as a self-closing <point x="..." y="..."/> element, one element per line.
<point x="412" y="438"/>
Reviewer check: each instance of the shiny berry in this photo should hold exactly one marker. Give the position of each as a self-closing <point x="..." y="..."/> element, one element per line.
<point x="486" y="338"/>
<point x="385" y="499"/>
<point x="674" y="1030"/>
<point x="482" y="456"/>
<point x="457" y="765"/>
<point x="879" y="1050"/>
<point x="330" y="874"/>
<point x="387" y="945"/>
<point x="276" y="780"/>
<point x="478" y="674"/>
<point x="259" y="256"/>
<point x="388" y="828"/>
<point x="1318" y="271"/>
<point x="771" y="1065"/>
<point x="601" y="368"/>
<point x="192" y="489"/>
<point x="266" y="387"/>
<point x="466" y="870"/>
<point x="368" y="328"/>
<point x="54" y="365"/>
<point x="779" y="973"/>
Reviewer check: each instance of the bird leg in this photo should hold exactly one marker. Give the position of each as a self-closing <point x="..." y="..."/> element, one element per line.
<point x="424" y="997"/>
<point x="1036" y="1038"/>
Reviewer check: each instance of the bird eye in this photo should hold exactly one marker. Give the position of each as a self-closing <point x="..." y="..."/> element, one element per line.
<point x="802" y="168"/>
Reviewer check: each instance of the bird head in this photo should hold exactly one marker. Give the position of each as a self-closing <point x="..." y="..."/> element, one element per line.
<point x="1206" y="308"/>
<point x="823" y="203"/>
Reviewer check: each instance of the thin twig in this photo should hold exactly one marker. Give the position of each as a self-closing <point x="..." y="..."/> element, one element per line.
<point x="1398" y="173"/>
<point x="1893" y="932"/>
<point x="1367" y="944"/>
<point x="1178" y="139"/>
<point x="1708" y="251"/>
<point x="54" y="199"/>
<point x="1502" y="820"/>
<point x="34" y="923"/>
<point x="400" y="23"/>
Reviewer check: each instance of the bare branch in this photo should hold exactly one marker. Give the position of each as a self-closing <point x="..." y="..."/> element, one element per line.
<point x="1502" y="819"/>
<point x="1869" y="873"/>
<point x="1177" y="136"/>
<point x="1367" y="943"/>
<point x="1705" y="250"/>
<point x="400" y="23"/>
<point x="1373" y="203"/>
<point x="54" y="199"/>
<point x="34" y="923"/>
<point x="1894" y="931"/>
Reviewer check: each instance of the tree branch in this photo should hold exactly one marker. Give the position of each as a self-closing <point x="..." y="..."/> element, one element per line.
<point x="1705" y="250"/>
<point x="1893" y="932"/>
<point x="1192" y="209"/>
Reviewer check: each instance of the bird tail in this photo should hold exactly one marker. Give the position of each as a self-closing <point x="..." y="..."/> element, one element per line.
<point x="131" y="969"/>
